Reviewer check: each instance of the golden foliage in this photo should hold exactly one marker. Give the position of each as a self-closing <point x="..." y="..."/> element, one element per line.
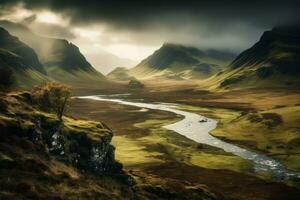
<point x="52" y="97"/>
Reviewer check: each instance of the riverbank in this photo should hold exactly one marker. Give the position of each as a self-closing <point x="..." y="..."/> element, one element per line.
<point x="198" y="128"/>
<point x="147" y="150"/>
<point x="263" y="120"/>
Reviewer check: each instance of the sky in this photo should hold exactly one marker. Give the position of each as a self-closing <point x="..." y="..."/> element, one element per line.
<point x="113" y="33"/>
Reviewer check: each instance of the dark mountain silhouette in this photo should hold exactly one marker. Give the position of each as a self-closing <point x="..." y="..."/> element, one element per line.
<point x="272" y="62"/>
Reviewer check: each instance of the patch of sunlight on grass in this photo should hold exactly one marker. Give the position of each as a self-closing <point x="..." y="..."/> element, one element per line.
<point x="215" y="161"/>
<point x="292" y="161"/>
<point x="177" y="147"/>
<point x="133" y="152"/>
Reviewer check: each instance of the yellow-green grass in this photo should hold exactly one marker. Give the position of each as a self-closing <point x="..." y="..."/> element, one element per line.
<point x="162" y="145"/>
<point x="94" y="130"/>
<point x="17" y="108"/>
<point x="249" y="79"/>
<point x="150" y="152"/>
<point x="74" y="76"/>
<point x="141" y="140"/>
<point x="133" y="153"/>
<point x="280" y="141"/>
<point x="30" y="171"/>
<point x="29" y="78"/>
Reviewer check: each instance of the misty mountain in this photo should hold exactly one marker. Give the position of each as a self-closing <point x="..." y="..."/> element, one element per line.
<point x="15" y="46"/>
<point x="61" y="59"/>
<point x="120" y="73"/>
<point x="182" y="62"/>
<point x="272" y="62"/>
<point x="21" y="59"/>
<point x="107" y="62"/>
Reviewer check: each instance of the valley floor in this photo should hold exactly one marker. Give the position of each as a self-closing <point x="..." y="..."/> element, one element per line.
<point x="264" y="120"/>
<point x="148" y="151"/>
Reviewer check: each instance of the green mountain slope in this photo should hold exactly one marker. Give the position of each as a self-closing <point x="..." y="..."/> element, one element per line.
<point x="181" y="62"/>
<point x="120" y="73"/>
<point x="65" y="63"/>
<point x="21" y="59"/>
<point x="62" y="60"/>
<point x="272" y="62"/>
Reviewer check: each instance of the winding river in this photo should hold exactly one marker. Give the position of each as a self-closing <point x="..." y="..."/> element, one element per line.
<point x="197" y="128"/>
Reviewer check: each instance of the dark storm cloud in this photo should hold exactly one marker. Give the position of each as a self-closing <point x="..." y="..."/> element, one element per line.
<point x="139" y="14"/>
<point x="222" y="24"/>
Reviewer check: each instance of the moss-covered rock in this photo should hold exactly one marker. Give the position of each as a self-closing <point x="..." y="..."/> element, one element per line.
<point x="82" y="144"/>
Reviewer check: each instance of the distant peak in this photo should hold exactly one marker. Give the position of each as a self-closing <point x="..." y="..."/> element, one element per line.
<point x="168" y="44"/>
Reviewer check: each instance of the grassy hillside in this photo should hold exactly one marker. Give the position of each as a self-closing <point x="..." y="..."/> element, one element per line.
<point x="120" y="73"/>
<point x="272" y="62"/>
<point x="180" y="62"/>
<point x="271" y="125"/>
<point x="263" y="120"/>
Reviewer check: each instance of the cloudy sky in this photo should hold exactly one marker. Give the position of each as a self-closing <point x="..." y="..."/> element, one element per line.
<point x="114" y="33"/>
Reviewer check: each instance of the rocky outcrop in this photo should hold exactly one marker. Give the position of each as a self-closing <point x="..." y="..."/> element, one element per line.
<point x="83" y="144"/>
<point x="75" y="146"/>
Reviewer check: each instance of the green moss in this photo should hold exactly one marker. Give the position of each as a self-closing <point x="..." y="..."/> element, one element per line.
<point x="66" y="139"/>
<point x="133" y="153"/>
<point x="215" y="161"/>
<point x="94" y="130"/>
<point x="262" y="134"/>
<point x="162" y="145"/>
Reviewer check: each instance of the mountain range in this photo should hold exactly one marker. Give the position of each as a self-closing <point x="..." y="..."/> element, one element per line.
<point x="272" y="62"/>
<point x="174" y="61"/>
<point x="106" y="62"/>
<point x="55" y="59"/>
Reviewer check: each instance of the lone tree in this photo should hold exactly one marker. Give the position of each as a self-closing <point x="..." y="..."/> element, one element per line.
<point x="6" y="78"/>
<point x="53" y="97"/>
